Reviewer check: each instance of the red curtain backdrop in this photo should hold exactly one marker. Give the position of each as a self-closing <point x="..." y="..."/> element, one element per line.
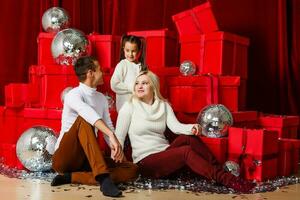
<point x="273" y="27"/>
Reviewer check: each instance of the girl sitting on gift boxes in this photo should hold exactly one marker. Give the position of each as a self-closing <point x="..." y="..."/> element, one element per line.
<point x="132" y="61"/>
<point x="145" y="117"/>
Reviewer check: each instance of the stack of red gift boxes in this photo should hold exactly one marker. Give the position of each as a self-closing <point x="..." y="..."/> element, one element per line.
<point x="265" y="146"/>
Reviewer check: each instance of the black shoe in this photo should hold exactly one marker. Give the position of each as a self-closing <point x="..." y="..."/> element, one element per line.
<point x="108" y="188"/>
<point x="61" y="179"/>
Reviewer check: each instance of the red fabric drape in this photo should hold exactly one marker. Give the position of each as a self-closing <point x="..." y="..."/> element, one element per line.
<point x="273" y="27"/>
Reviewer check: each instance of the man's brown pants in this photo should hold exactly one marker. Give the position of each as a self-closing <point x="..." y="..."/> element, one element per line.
<point x="80" y="155"/>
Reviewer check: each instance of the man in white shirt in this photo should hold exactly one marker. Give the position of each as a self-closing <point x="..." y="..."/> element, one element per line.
<point x="78" y="158"/>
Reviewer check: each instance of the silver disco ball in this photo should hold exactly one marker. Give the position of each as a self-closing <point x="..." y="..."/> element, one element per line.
<point x="64" y="92"/>
<point x="68" y="45"/>
<point x="215" y="120"/>
<point x="55" y="19"/>
<point x="110" y="100"/>
<point x="232" y="167"/>
<point x="187" y="68"/>
<point x="35" y="148"/>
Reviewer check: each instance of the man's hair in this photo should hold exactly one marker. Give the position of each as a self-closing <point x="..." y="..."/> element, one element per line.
<point x="82" y="65"/>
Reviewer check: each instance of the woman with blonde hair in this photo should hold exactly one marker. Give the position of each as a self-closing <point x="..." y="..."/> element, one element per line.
<point x="145" y="118"/>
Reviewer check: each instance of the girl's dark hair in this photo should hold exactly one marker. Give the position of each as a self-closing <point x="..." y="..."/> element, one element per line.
<point x="82" y="65"/>
<point x="141" y="45"/>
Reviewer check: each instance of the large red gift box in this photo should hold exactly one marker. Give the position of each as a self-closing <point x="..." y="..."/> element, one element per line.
<point x="288" y="156"/>
<point x="50" y="81"/>
<point x="161" y="47"/>
<point x="190" y="94"/>
<point x="106" y="48"/>
<point x="9" y="156"/>
<point x="256" y="150"/>
<point x="287" y="126"/>
<point x="218" y="147"/>
<point x="44" y="41"/>
<point x="219" y="53"/>
<point x="11" y="120"/>
<point x="50" y="118"/>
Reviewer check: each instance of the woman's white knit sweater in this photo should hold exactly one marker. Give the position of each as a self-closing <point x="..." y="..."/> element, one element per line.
<point x="145" y="124"/>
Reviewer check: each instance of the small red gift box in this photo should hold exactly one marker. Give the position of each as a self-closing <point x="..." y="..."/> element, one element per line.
<point x="287" y="126"/>
<point x="8" y="153"/>
<point x="10" y="124"/>
<point x="256" y="150"/>
<point x="50" y="81"/>
<point x="44" y="41"/>
<point x="106" y="48"/>
<point x="218" y="147"/>
<point x="288" y="156"/>
<point x="16" y="94"/>
<point x="191" y="93"/>
<point x="161" y="47"/>
<point x="197" y="20"/>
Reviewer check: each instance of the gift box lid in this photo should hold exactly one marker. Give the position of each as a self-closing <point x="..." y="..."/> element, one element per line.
<point x="13" y="112"/>
<point x="200" y="80"/>
<point x="41" y="113"/>
<point x="216" y="141"/>
<point x="43" y="35"/>
<point x="205" y="18"/>
<point x="165" y="71"/>
<point x="215" y="36"/>
<point x="242" y="116"/>
<point x="154" y="33"/>
<point x="288" y="144"/>
<point x="279" y="121"/>
<point x="52" y="70"/>
<point x="103" y="38"/>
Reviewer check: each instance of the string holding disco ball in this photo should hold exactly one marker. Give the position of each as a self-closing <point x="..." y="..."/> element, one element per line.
<point x="64" y="92"/>
<point x="68" y="45"/>
<point x="215" y="119"/>
<point x="187" y="68"/>
<point x="232" y="167"/>
<point x="35" y="148"/>
<point x="55" y="19"/>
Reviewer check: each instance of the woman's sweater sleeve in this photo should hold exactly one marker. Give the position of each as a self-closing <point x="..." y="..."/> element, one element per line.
<point x="123" y="122"/>
<point x="174" y="125"/>
<point x="117" y="83"/>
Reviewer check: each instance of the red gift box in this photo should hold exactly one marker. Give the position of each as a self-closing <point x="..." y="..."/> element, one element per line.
<point x="51" y="80"/>
<point x="197" y="20"/>
<point x="8" y="153"/>
<point x="161" y="47"/>
<point x="10" y="122"/>
<point x="200" y="91"/>
<point x="246" y="119"/>
<point x="163" y="73"/>
<point x="256" y="150"/>
<point x="44" y="41"/>
<point x="288" y="156"/>
<point x="106" y="48"/>
<point x="287" y="126"/>
<point x="16" y="94"/>
<point x="218" y="147"/>
<point x="219" y="53"/>
<point x="50" y="118"/>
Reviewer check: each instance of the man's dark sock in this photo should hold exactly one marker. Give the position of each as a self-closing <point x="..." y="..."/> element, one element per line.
<point x="107" y="187"/>
<point x="61" y="179"/>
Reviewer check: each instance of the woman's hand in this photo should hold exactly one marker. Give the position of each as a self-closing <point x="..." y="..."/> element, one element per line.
<point x="196" y="130"/>
<point x="116" y="149"/>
